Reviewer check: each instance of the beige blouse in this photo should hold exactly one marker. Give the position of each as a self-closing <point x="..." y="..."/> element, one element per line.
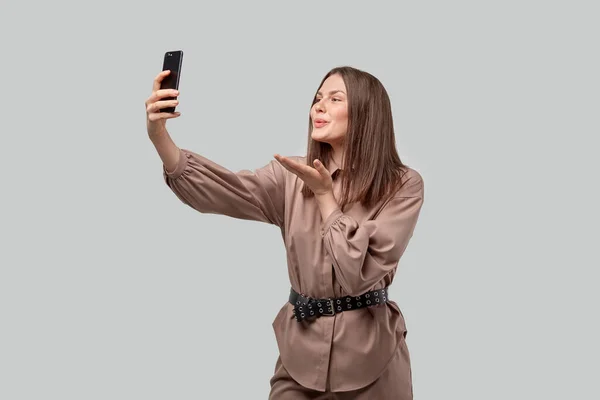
<point x="349" y="253"/>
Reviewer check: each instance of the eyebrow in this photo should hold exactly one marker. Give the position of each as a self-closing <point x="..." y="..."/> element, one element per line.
<point x="332" y="92"/>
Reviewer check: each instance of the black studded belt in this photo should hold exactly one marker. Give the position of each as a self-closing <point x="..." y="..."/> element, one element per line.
<point x="307" y="308"/>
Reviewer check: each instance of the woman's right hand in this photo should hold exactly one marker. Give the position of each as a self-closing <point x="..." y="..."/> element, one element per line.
<point x="155" y="120"/>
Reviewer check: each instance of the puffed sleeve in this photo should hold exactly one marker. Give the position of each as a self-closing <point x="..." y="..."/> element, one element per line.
<point x="208" y="187"/>
<point x="364" y="253"/>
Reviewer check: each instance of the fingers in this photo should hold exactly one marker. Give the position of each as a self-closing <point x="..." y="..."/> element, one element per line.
<point x="157" y="105"/>
<point x="292" y="170"/>
<point x="293" y="166"/>
<point x="158" y="80"/>
<point x="156" y="116"/>
<point x="161" y="94"/>
<point x="161" y="98"/>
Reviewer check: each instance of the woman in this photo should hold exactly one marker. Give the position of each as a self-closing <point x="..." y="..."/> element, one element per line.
<point x="346" y="211"/>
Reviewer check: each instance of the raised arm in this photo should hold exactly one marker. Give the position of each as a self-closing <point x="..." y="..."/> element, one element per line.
<point x="156" y="121"/>
<point x="208" y="187"/>
<point x="205" y="185"/>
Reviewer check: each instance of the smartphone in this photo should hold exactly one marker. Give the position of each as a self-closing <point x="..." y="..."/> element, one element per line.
<point x="172" y="61"/>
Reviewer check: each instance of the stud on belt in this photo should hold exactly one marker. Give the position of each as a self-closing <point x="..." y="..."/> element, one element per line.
<point x="307" y="307"/>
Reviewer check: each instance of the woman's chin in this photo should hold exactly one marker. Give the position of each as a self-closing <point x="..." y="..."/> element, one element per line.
<point x="319" y="137"/>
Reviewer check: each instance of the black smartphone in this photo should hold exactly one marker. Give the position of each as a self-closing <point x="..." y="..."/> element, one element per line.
<point x="173" y="60"/>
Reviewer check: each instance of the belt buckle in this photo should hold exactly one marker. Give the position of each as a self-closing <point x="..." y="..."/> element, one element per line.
<point x="332" y="307"/>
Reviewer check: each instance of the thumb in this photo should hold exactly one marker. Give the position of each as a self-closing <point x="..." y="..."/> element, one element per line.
<point x="319" y="166"/>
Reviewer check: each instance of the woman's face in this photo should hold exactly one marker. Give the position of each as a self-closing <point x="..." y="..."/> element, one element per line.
<point x="329" y="114"/>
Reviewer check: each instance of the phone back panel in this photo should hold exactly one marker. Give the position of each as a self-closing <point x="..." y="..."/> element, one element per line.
<point x="172" y="61"/>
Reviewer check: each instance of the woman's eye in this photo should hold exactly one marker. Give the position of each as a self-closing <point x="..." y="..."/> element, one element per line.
<point x="333" y="99"/>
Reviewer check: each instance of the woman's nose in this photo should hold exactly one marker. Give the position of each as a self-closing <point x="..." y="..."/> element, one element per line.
<point x="319" y="106"/>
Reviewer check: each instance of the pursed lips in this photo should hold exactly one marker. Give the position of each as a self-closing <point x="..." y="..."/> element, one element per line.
<point x="319" y="122"/>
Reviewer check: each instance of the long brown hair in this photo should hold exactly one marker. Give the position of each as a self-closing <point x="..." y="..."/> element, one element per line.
<point x="372" y="169"/>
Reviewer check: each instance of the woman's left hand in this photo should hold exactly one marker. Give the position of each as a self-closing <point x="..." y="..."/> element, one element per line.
<point x="318" y="178"/>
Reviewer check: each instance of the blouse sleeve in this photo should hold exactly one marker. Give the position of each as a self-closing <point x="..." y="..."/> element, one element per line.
<point x="210" y="188"/>
<point x="364" y="253"/>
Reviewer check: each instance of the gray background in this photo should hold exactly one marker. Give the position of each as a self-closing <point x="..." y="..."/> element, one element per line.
<point x="105" y="274"/>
